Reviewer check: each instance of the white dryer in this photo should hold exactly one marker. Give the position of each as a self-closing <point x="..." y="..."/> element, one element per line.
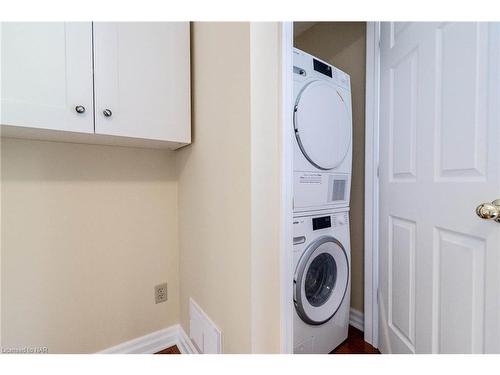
<point x="322" y="123"/>
<point x="321" y="285"/>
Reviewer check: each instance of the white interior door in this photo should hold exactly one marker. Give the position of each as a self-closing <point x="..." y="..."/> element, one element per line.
<point x="142" y="80"/>
<point x="46" y="75"/>
<point x="439" y="158"/>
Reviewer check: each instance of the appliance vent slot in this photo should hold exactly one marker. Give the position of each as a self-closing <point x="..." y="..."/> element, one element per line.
<point x="338" y="190"/>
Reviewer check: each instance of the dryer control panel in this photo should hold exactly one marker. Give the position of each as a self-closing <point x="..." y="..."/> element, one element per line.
<point x="306" y="66"/>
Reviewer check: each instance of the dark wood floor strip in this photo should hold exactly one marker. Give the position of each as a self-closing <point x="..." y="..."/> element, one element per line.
<point x="171" y="350"/>
<point x="355" y="344"/>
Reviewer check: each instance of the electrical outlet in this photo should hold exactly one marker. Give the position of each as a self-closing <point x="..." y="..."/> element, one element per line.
<point x="161" y="293"/>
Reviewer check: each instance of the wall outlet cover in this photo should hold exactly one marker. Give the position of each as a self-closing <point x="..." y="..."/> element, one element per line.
<point x="161" y="294"/>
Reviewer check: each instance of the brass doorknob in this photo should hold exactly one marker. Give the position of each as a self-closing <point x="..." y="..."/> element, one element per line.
<point x="489" y="210"/>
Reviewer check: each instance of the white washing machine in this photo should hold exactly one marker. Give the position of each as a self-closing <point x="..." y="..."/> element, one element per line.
<point x="323" y="134"/>
<point x="322" y="285"/>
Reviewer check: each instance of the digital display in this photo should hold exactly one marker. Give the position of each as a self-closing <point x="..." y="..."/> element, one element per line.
<point x="321" y="222"/>
<point x="322" y="68"/>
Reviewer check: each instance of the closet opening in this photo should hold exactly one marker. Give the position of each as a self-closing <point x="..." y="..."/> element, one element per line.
<point x="328" y="88"/>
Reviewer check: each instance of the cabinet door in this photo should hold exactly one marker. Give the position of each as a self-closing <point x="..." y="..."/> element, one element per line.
<point x="141" y="77"/>
<point x="46" y="72"/>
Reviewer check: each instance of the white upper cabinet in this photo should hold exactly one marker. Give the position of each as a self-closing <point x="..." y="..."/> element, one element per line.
<point x="142" y="80"/>
<point x="46" y="73"/>
<point x="112" y="83"/>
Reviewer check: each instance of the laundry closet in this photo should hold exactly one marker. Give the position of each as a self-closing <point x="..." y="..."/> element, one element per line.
<point x="223" y="187"/>
<point x="329" y="65"/>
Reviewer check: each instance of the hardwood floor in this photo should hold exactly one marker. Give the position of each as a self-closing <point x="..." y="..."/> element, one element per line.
<point x="171" y="350"/>
<point x="355" y="344"/>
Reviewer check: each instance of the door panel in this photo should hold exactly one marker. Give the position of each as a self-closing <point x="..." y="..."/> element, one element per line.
<point x="461" y="100"/>
<point x="46" y="71"/>
<point x="142" y="72"/>
<point x="402" y="280"/>
<point x="403" y="86"/>
<point x="439" y="263"/>
<point x="459" y="288"/>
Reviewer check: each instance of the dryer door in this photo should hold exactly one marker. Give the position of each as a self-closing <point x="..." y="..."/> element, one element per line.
<point x="322" y="124"/>
<point x="321" y="280"/>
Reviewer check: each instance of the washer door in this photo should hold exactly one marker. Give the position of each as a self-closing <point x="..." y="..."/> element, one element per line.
<point x="321" y="280"/>
<point x="322" y="124"/>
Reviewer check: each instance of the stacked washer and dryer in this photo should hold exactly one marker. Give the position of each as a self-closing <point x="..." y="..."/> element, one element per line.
<point x="322" y="178"/>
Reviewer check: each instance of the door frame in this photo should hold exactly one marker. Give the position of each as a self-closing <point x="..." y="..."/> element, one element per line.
<point x="287" y="308"/>
<point x="371" y="185"/>
<point x="372" y="107"/>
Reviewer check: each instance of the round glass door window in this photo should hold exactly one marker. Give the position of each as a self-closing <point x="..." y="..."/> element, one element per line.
<point x="322" y="124"/>
<point x="321" y="280"/>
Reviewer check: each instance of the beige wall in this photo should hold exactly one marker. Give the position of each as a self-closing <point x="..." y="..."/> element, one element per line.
<point x="87" y="231"/>
<point x="229" y="185"/>
<point x="343" y="44"/>
<point x="266" y="189"/>
<point x="214" y="184"/>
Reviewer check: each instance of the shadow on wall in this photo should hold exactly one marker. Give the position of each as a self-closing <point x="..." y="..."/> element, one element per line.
<point x="341" y="35"/>
<point x="57" y="161"/>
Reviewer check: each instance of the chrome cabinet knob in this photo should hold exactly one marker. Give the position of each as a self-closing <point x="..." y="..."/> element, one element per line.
<point x="489" y="211"/>
<point x="80" y="109"/>
<point x="107" y="112"/>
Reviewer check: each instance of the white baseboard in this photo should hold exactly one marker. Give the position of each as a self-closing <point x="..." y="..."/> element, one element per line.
<point x="175" y="335"/>
<point x="154" y="342"/>
<point x="357" y="319"/>
<point x="185" y="344"/>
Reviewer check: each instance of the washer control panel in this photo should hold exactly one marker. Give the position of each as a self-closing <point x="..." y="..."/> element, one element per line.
<point x="302" y="226"/>
<point x="340" y="219"/>
<point x="321" y="222"/>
